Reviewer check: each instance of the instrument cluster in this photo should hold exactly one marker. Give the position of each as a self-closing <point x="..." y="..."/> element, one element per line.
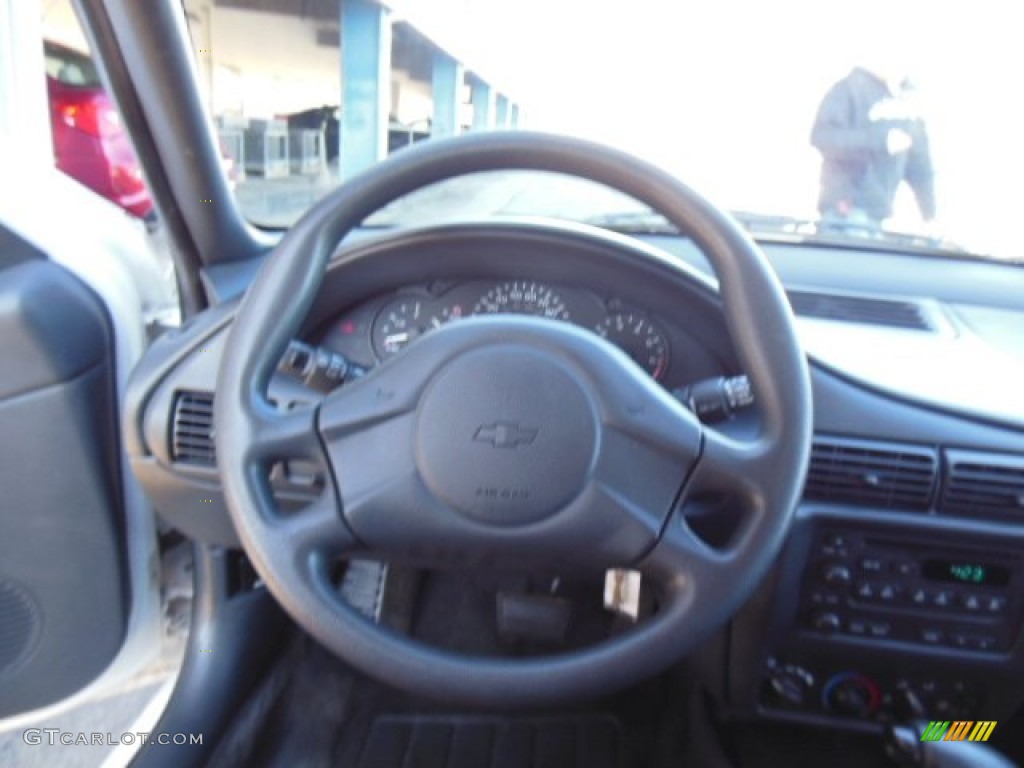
<point x="384" y="327"/>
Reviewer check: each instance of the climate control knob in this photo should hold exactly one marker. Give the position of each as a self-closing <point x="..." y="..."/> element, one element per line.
<point x="851" y="695"/>
<point x="790" y="685"/>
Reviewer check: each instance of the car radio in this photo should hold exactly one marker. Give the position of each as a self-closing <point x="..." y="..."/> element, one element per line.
<point x="895" y="588"/>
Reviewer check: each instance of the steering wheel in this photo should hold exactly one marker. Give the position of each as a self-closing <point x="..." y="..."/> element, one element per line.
<point x="511" y="441"/>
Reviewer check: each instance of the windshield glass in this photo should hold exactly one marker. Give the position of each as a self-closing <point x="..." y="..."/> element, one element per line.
<point x="893" y="121"/>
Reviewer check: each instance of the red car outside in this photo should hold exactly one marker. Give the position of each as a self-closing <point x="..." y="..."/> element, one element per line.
<point x="90" y="143"/>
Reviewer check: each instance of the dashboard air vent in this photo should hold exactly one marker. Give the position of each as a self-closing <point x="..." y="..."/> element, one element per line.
<point x="856" y="309"/>
<point x="192" y="425"/>
<point x="983" y="485"/>
<point x="884" y="475"/>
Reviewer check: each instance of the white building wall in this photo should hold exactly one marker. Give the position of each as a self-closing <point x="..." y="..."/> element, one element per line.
<point x="259" y="65"/>
<point x="60" y="24"/>
<point x="265" y="64"/>
<point x="411" y="101"/>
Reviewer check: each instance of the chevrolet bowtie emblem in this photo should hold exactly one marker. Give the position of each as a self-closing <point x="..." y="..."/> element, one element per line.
<point x="505" y="434"/>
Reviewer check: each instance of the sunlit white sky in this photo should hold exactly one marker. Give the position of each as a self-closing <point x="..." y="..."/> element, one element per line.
<point x="724" y="93"/>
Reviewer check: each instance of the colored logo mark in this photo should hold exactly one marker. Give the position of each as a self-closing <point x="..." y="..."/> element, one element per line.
<point x="958" y="730"/>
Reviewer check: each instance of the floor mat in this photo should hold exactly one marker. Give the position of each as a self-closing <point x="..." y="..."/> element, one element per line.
<point x="412" y="741"/>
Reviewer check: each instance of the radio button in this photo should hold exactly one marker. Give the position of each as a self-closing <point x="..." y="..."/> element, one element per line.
<point x="887" y="593"/>
<point x="943" y="598"/>
<point x="972" y="603"/>
<point x="879" y="629"/>
<point x="996" y="604"/>
<point x="905" y="568"/>
<point x="932" y="636"/>
<point x="825" y="598"/>
<point x="857" y="627"/>
<point x="833" y="539"/>
<point x="919" y="596"/>
<point x="865" y="591"/>
<point x="983" y="642"/>
<point x="833" y="544"/>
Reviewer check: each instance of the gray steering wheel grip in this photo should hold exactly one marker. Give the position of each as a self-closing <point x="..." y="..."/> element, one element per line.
<point x="702" y="587"/>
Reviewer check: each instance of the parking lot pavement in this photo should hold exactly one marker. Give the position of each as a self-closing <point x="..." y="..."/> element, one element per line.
<point x="279" y="202"/>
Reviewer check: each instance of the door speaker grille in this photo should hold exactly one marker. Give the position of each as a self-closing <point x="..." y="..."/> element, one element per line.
<point x="19" y="626"/>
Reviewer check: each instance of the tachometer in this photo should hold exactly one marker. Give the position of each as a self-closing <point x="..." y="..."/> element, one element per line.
<point x="523" y="297"/>
<point x="639" y="338"/>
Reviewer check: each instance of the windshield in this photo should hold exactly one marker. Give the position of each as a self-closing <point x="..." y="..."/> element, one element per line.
<point x="892" y="121"/>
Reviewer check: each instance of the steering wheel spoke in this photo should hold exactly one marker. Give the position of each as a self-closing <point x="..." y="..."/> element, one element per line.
<point x="682" y="560"/>
<point x="729" y="467"/>
<point x="283" y="435"/>
<point x="728" y="478"/>
<point x="317" y="529"/>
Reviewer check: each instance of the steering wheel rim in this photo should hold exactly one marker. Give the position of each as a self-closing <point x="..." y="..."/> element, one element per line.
<point x="703" y="586"/>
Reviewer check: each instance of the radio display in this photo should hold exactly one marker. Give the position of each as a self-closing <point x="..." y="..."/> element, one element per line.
<point x="966" y="572"/>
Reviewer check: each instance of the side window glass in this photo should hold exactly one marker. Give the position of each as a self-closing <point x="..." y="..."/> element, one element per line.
<point x="92" y="147"/>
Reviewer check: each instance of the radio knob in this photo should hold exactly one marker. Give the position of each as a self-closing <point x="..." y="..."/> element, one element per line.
<point x="836" y="573"/>
<point x="827" y="622"/>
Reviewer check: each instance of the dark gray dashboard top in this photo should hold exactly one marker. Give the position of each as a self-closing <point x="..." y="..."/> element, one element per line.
<point x="970" y="362"/>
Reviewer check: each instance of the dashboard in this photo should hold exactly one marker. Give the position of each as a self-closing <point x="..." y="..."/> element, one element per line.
<point x="903" y="574"/>
<point x="381" y="328"/>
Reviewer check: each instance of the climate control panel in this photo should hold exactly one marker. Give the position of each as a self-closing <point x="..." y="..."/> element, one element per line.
<point x="805" y="686"/>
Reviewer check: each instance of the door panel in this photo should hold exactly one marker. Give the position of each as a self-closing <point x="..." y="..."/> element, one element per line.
<point x="64" y="594"/>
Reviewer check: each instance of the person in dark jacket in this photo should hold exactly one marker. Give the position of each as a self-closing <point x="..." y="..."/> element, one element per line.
<point x="871" y="136"/>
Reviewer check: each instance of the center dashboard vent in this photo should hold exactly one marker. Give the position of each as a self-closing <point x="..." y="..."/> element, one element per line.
<point x="871" y="474"/>
<point x="985" y="485"/>
<point x="192" y="428"/>
<point x="862" y="310"/>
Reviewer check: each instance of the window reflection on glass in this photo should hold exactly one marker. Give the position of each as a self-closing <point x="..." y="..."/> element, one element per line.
<point x="91" y="145"/>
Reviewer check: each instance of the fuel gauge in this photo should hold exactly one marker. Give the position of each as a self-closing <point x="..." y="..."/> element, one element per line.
<point x="398" y="323"/>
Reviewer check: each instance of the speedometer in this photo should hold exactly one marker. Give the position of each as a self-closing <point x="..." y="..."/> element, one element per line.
<point x="523" y="297"/>
<point x="639" y="338"/>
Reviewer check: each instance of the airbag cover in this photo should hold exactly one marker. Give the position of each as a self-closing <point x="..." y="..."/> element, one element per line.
<point x="506" y="435"/>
